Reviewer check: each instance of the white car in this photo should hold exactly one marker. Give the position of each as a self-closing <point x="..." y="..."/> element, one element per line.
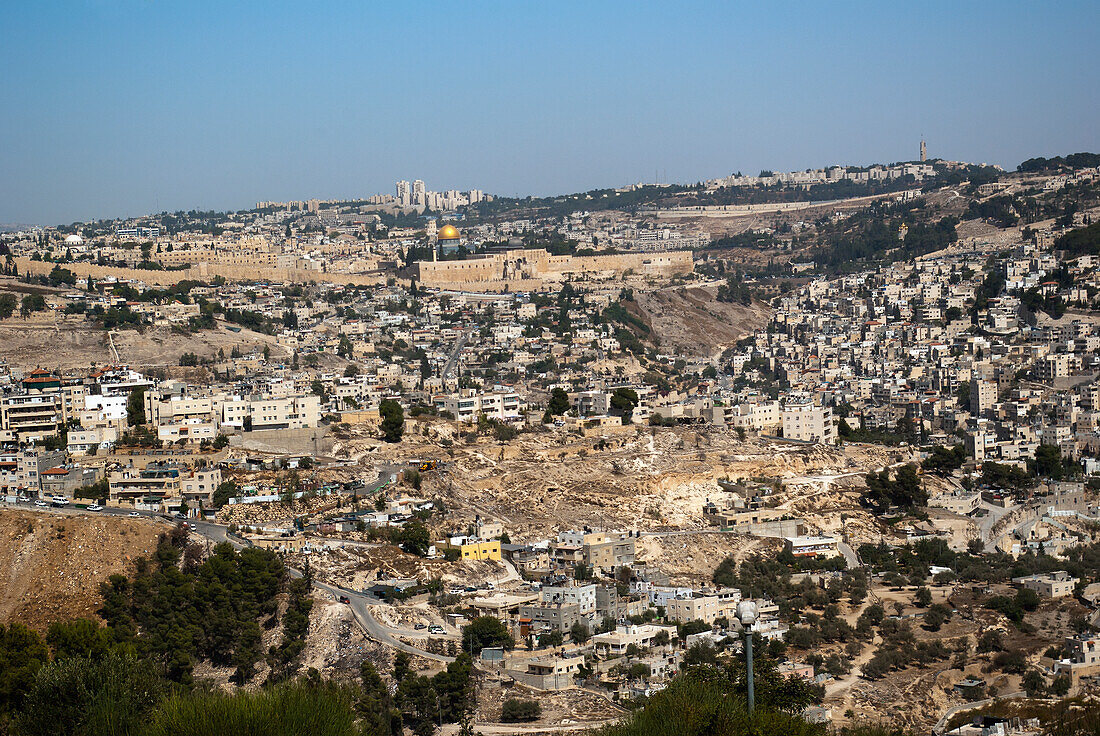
<point x="435" y="629"/>
<point x="94" y="507"/>
<point x="134" y="515"/>
<point x="41" y="504"/>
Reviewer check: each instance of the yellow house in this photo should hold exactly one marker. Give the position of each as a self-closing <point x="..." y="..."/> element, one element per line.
<point x="480" y="550"/>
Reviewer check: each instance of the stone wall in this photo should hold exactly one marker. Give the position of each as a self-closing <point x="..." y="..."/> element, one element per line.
<point x="537" y="264"/>
<point x="202" y="272"/>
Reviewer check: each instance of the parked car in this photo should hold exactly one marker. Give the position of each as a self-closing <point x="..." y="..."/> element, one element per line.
<point x="134" y="515"/>
<point x="436" y="629"/>
<point x="40" y="503"/>
<point x="420" y="627"/>
<point x="94" y="507"/>
<point x="345" y="599"/>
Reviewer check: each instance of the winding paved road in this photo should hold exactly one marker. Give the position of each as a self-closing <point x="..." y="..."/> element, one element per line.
<point x="217" y="533"/>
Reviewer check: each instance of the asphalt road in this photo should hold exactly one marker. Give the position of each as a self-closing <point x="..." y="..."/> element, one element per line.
<point x="459" y="344"/>
<point x="360" y="608"/>
<point x="217" y="533"/>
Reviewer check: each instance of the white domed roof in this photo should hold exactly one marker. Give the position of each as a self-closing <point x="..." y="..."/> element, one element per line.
<point x="74" y="239"/>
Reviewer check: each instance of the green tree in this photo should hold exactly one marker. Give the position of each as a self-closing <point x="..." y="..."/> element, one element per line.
<point x="1033" y="682"/>
<point x="707" y="702"/>
<point x="135" y="408"/>
<point x="623" y="402"/>
<point x="7" y="305"/>
<point x="559" y="402"/>
<point x="22" y="653"/>
<point x="936" y="617"/>
<point x="515" y="710"/>
<point x="226" y="490"/>
<point x="1048" y="462"/>
<point x="374" y="704"/>
<point x="308" y="705"/>
<point x="414" y="538"/>
<point x="393" y="420"/>
<point x="923" y="597"/>
<point x="32" y="303"/>
<point x="485" y="631"/>
<point x="78" y="638"/>
<point x="114" y="694"/>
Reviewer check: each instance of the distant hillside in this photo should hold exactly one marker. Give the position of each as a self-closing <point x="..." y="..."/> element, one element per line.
<point x="1072" y="161"/>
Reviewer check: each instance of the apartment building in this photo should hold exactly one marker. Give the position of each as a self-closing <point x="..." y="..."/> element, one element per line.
<point x="468" y="405"/>
<point x="198" y="486"/>
<point x="21" y="471"/>
<point x="151" y="486"/>
<point x="983" y="397"/>
<point x="31" y="417"/>
<point x="805" y="421"/>
<point x="704" y="608"/>
<point x="256" y="414"/>
<point x="183" y="417"/>
<point x="1050" y="367"/>
<point x="811" y="546"/>
<point x="543" y="617"/>
<point x="582" y="595"/>
<point x="758" y="416"/>
<point x="471" y="548"/>
<point x="64" y="480"/>
<point x="643" y="636"/>
<point x="84" y="440"/>
<point x="588" y="403"/>
<point x="606" y="553"/>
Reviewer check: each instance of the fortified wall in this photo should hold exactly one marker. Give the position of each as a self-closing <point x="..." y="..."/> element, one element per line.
<point x="201" y="272"/>
<point x="539" y="265"/>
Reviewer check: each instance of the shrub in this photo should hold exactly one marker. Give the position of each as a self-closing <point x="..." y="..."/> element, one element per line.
<point x="292" y="709"/>
<point x="79" y="695"/>
<point x="520" y="711"/>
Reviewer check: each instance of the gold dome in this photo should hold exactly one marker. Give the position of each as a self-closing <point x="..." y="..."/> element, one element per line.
<point x="448" y="232"/>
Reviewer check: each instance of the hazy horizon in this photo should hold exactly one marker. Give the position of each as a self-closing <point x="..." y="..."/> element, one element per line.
<point x="117" y="109"/>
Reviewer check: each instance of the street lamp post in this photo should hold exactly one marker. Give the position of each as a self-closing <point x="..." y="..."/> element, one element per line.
<point x="746" y="613"/>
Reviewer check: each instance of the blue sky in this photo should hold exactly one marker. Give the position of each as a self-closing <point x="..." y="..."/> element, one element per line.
<point x="115" y="108"/>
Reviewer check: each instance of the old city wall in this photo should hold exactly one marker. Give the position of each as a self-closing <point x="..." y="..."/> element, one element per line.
<point x="665" y="263"/>
<point x="201" y="272"/>
<point x="537" y="264"/>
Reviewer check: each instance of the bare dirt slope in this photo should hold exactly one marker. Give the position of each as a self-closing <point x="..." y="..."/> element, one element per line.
<point x="161" y="346"/>
<point x="51" y="565"/>
<point x="67" y="342"/>
<point x="52" y="342"/>
<point x="691" y="321"/>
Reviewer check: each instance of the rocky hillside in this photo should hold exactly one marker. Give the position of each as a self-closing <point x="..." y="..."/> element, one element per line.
<point x="51" y="565"/>
<point x="691" y="321"/>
